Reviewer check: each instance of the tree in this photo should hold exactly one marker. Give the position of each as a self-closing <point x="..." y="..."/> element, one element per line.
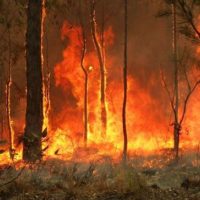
<point x="176" y="81"/>
<point x="125" y="82"/>
<point x="85" y="115"/>
<point x="181" y="10"/>
<point x="47" y="80"/>
<point x="34" y="110"/>
<point x="103" y="33"/>
<point x="187" y="12"/>
<point x="102" y="67"/>
<point x="8" y="98"/>
<point x="11" y="20"/>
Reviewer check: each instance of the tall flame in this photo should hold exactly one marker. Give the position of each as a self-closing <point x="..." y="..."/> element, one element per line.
<point x="147" y="128"/>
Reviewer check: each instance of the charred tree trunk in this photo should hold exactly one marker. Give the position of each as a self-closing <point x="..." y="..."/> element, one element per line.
<point x="8" y="100"/>
<point x="176" y="84"/>
<point x="34" y="110"/>
<point x="102" y="68"/>
<point x="102" y="34"/>
<point x="125" y="82"/>
<point x="85" y="115"/>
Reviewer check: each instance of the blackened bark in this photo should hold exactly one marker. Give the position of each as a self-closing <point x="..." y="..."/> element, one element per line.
<point x="103" y="33"/>
<point x="125" y="83"/>
<point x="176" y="84"/>
<point x="34" y="110"/>
<point x="85" y="109"/>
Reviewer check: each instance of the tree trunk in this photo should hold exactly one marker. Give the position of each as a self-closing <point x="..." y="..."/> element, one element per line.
<point x="176" y="84"/>
<point x="176" y="140"/>
<point x="2" y="112"/>
<point x="2" y="127"/>
<point x="125" y="83"/>
<point x="102" y="68"/>
<point x="85" y="115"/>
<point x="85" y="104"/>
<point x="102" y="34"/>
<point x="8" y="100"/>
<point x="47" y="82"/>
<point x="34" y="110"/>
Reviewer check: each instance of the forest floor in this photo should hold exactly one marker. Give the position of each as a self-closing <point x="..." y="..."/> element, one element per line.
<point x="145" y="178"/>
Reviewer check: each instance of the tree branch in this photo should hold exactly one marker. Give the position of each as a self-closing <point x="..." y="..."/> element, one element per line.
<point x="168" y="92"/>
<point x="187" y="100"/>
<point x="188" y="15"/>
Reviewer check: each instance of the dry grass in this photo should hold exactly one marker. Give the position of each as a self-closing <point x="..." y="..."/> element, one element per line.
<point x="101" y="180"/>
<point x="70" y="179"/>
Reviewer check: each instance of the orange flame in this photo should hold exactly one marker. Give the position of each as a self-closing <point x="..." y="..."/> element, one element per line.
<point x="147" y="127"/>
<point x="69" y="79"/>
<point x="146" y="130"/>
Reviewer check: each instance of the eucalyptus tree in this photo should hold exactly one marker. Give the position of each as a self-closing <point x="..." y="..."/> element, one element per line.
<point x="183" y="22"/>
<point x="125" y="147"/>
<point x="32" y="149"/>
<point x="100" y="56"/>
<point x="85" y="72"/>
<point x="11" y="22"/>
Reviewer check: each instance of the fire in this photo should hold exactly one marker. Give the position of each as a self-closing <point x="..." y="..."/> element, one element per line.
<point x="144" y="133"/>
<point x="148" y="128"/>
